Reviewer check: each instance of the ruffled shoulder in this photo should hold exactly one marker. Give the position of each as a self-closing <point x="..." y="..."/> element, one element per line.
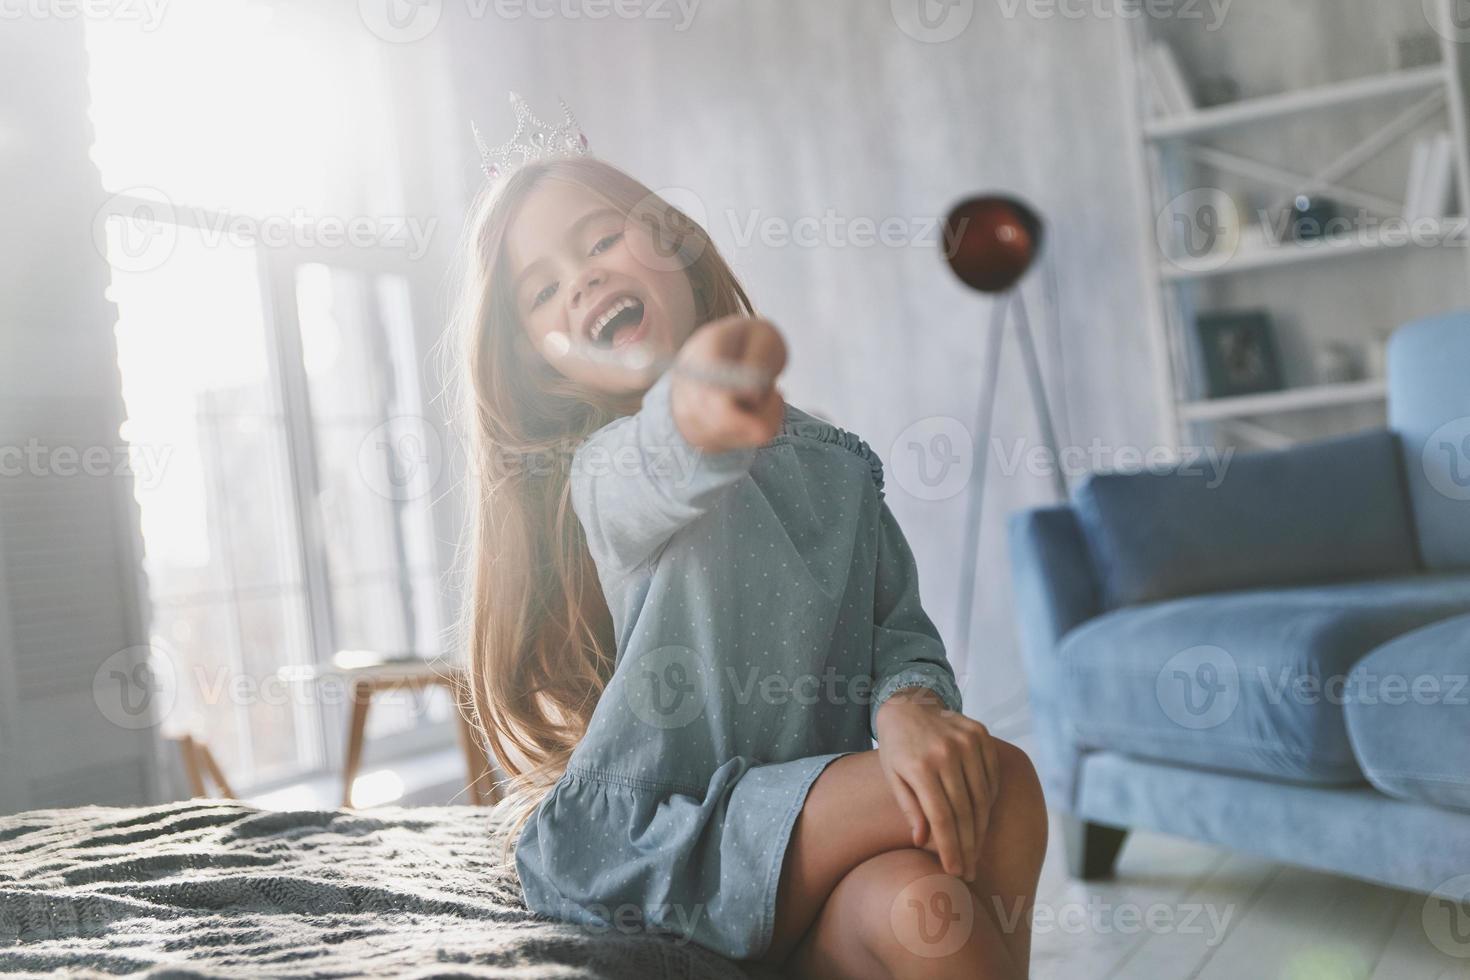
<point x="805" y="426"/>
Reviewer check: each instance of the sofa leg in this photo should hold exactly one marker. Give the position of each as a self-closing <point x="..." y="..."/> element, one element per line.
<point x="1092" y="848"/>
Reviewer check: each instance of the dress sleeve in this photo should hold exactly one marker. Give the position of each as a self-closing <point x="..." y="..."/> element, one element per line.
<point x="907" y="650"/>
<point x="637" y="480"/>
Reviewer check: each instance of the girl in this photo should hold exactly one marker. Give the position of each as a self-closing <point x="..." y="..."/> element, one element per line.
<point x="692" y="612"/>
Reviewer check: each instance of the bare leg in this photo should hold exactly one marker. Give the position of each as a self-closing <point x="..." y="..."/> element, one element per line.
<point x="828" y="844"/>
<point x="900" y="915"/>
<point x="1012" y="852"/>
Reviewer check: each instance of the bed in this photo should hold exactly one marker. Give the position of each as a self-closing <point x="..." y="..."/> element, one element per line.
<point x="219" y="889"/>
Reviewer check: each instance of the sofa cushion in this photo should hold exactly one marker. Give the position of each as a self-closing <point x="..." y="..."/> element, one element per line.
<point x="1429" y="406"/>
<point x="1315" y="513"/>
<point x="1408" y="714"/>
<point x="1248" y="682"/>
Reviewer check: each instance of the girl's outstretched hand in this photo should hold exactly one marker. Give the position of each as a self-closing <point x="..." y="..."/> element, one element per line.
<point x="718" y="417"/>
<point x="944" y="771"/>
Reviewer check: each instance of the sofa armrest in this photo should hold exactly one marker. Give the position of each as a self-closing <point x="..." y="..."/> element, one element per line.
<point x="1055" y="592"/>
<point x="1052" y="572"/>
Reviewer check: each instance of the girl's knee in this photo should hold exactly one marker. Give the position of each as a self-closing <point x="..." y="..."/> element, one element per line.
<point x="911" y="909"/>
<point x="1019" y="780"/>
<point x="1021" y="797"/>
<point x="885" y="917"/>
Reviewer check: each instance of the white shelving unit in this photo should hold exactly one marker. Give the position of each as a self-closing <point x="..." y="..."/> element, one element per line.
<point x="1289" y="400"/>
<point x="1359" y="91"/>
<point x="1247" y="259"/>
<point x="1184" y="154"/>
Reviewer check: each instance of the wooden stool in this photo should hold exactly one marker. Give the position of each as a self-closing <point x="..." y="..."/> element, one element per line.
<point x="370" y="680"/>
<point x="199" y="762"/>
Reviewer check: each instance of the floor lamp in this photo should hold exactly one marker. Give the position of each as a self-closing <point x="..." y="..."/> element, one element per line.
<point x="990" y="243"/>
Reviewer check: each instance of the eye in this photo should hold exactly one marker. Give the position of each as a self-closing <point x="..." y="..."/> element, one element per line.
<point x="601" y="245"/>
<point x="606" y="242"/>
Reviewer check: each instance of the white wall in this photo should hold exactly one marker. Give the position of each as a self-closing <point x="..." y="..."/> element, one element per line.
<point x="785" y="109"/>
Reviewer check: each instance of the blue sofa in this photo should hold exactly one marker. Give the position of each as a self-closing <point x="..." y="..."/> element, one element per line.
<point x="1274" y="661"/>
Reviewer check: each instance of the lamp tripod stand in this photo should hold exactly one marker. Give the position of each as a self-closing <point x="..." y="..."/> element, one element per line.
<point x="992" y="242"/>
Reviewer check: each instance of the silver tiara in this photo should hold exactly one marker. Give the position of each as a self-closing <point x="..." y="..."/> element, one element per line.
<point x="533" y="140"/>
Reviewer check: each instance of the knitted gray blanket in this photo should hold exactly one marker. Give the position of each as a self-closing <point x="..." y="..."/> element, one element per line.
<point x="218" y="889"/>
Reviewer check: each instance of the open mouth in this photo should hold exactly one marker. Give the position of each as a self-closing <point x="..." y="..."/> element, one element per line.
<point x="620" y="324"/>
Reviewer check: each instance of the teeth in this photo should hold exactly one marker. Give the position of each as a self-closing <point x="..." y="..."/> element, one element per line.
<point x="612" y="311"/>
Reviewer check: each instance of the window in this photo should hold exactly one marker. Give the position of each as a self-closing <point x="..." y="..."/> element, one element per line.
<point x="270" y="378"/>
<point x="374" y="456"/>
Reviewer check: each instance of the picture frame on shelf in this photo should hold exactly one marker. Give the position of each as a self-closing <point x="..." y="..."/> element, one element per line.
<point x="1216" y="90"/>
<point x="1417" y="49"/>
<point x="1239" y="352"/>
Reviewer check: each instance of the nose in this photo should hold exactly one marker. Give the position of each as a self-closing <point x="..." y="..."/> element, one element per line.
<point x="586" y="282"/>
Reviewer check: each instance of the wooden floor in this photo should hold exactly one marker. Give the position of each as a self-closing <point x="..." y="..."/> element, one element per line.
<point x="1177" y="909"/>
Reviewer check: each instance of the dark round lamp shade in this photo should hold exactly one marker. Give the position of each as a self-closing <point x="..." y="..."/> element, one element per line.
<point x="991" y="241"/>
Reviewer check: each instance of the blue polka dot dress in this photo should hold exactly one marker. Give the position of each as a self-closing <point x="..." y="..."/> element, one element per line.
<point x="765" y="604"/>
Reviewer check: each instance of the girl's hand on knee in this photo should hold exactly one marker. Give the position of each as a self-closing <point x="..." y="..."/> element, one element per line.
<point x="719" y="418"/>
<point x="943" y="769"/>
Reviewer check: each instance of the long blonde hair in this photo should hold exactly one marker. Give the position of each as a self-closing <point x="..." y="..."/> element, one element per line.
<point x="537" y="628"/>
